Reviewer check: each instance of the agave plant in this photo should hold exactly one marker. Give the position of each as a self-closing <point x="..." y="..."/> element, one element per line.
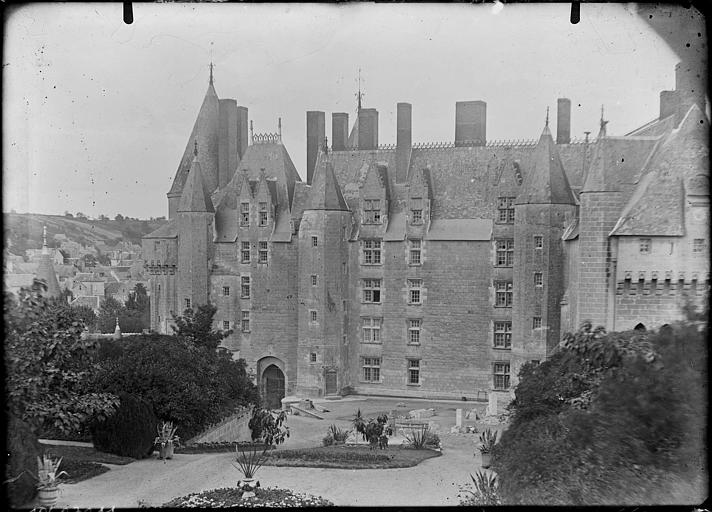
<point x="485" y="490"/>
<point x="249" y="461"/>
<point x="47" y="472"/>
<point x="166" y="433"/>
<point x="487" y="441"/>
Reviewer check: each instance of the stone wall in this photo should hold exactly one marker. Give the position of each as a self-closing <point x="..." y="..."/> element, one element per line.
<point x="232" y="428"/>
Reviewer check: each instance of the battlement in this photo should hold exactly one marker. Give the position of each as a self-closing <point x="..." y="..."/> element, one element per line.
<point x="663" y="283"/>
<point x="265" y="138"/>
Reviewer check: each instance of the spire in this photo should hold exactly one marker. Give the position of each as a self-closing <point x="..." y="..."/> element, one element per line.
<point x="45" y="250"/>
<point x="325" y="193"/>
<point x="279" y="127"/>
<point x="546" y="123"/>
<point x="602" y="132"/>
<point x="546" y="181"/>
<point x="117" y="330"/>
<point x="359" y="94"/>
<point x="195" y="196"/>
<point x="45" y="269"/>
<point x="211" y="74"/>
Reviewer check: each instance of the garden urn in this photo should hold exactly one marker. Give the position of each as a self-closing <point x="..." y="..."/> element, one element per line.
<point x="48" y="496"/>
<point x="486" y="460"/>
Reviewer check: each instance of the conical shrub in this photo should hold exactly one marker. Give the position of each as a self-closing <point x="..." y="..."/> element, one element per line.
<point x="130" y="432"/>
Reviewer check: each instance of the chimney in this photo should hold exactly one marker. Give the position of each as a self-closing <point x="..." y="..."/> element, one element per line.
<point x="563" y="121"/>
<point x="690" y="87"/>
<point x="470" y="123"/>
<point x="339" y="130"/>
<point x="316" y="131"/>
<point x="404" y="140"/>
<point x="227" y="141"/>
<point x="368" y="128"/>
<point x="668" y="103"/>
<point x="241" y="132"/>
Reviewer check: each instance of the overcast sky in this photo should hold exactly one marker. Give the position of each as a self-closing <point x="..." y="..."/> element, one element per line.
<point x="96" y="113"/>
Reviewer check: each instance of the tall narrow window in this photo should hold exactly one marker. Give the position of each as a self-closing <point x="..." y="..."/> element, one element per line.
<point x="312" y="315"/>
<point x="263" y="214"/>
<point x="226" y="325"/>
<point x="645" y="244"/>
<point x="315" y="241"/>
<point x="416" y="210"/>
<point x="371" y="252"/>
<point x="538" y="242"/>
<point x="244" y="214"/>
<point x="187" y="303"/>
<point x="414" y="331"/>
<point x="245" y="287"/>
<point x="226" y="291"/>
<point x="245" y="321"/>
<point x="312" y="357"/>
<point x="371" y="330"/>
<point x="698" y="245"/>
<point x="503" y="294"/>
<point x="262" y="252"/>
<point x="313" y="279"/>
<point x="505" y="252"/>
<point x="503" y="334"/>
<point x="372" y="211"/>
<point x="414" y="288"/>
<point x="501" y="375"/>
<point x="538" y="279"/>
<point x="371" y="369"/>
<point x="413" y="371"/>
<point x="245" y="252"/>
<point x="505" y="210"/>
<point x="536" y="322"/>
<point x="372" y="290"/>
<point x="415" y="248"/>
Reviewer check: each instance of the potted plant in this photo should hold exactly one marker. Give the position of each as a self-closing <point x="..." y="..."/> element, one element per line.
<point x="47" y="485"/>
<point x="487" y="442"/>
<point x="166" y="440"/>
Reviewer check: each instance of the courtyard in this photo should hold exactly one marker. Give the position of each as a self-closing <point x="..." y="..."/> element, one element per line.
<point x="433" y="482"/>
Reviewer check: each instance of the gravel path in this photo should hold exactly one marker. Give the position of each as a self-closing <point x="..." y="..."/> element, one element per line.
<point x="433" y="482"/>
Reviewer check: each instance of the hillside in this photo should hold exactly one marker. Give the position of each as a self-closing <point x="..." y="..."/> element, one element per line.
<point x="24" y="230"/>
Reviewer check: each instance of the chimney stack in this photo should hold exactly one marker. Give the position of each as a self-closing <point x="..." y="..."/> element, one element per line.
<point x="690" y="87"/>
<point x="316" y="131"/>
<point x="669" y="101"/>
<point x="367" y="128"/>
<point x="339" y="130"/>
<point x="242" y="140"/>
<point x="227" y="141"/>
<point x="470" y="123"/>
<point x="404" y="140"/>
<point x="563" y="121"/>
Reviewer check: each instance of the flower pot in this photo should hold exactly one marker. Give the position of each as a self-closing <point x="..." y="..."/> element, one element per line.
<point x="47" y="496"/>
<point x="165" y="451"/>
<point x="486" y="460"/>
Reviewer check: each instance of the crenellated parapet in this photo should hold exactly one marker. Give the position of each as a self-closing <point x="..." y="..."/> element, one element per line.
<point x="266" y="138"/>
<point x="665" y="282"/>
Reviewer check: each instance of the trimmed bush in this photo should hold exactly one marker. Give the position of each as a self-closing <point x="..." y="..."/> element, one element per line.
<point x="130" y="432"/>
<point x="23" y="448"/>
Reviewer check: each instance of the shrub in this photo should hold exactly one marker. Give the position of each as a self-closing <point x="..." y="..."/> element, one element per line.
<point x="485" y="490"/>
<point x="339" y="435"/>
<point x="267" y="426"/>
<point x="23" y="448"/>
<point x="327" y="440"/>
<point x="417" y="437"/>
<point x="487" y="441"/>
<point x="130" y="432"/>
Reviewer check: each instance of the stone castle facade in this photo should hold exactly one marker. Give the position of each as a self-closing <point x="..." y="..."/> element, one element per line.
<point x="430" y="270"/>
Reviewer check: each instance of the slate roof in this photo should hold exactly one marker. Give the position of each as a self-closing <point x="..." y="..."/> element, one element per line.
<point x="460" y="229"/>
<point x="93" y="301"/>
<point x="195" y="196"/>
<point x="325" y="193"/>
<point x="45" y="271"/>
<point x="546" y="181"/>
<point x="169" y="230"/>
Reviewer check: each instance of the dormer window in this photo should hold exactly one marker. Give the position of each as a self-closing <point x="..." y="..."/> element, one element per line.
<point x="264" y="217"/>
<point x="372" y="211"/>
<point x="416" y="210"/>
<point x="244" y="214"/>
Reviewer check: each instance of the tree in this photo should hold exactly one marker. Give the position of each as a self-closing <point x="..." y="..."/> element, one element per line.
<point x="68" y="215"/>
<point x="119" y="217"/>
<point x="80" y="215"/>
<point x="48" y="365"/>
<point x="86" y="315"/>
<point x="109" y="311"/>
<point x="103" y="217"/>
<point x="197" y="327"/>
<point x="89" y="260"/>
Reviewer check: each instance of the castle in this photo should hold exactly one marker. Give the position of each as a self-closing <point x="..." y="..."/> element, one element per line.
<point x="430" y="270"/>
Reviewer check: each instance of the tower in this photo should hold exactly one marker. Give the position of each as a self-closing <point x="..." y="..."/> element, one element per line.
<point x="322" y="285"/>
<point x="542" y="208"/>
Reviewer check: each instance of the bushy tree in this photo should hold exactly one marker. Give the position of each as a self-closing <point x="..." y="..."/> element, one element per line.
<point x="197" y="327"/>
<point x="48" y="365"/>
<point x="109" y="310"/>
<point x="87" y="315"/>
<point x="130" y="432"/>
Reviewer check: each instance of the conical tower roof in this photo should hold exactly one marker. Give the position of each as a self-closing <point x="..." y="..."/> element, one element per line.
<point x="546" y="181"/>
<point x="195" y="196"/>
<point x="325" y="193"/>
<point x="205" y="131"/>
<point x="45" y="270"/>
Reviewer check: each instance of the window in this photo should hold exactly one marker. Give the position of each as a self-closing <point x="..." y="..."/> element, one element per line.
<point x="372" y="211"/>
<point x="245" y="253"/>
<point x="226" y="325"/>
<point x="371" y="252"/>
<point x="414" y="286"/>
<point x="244" y="214"/>
<point x="262" y="252"/>
<point x="312" y="357"/>
<point x="413" y="371"/>
<point x="245" y="288"/>
<point x="415" y="247"/>
<point x="371" y="330"/>
<point x="372" y="290"/>
<point x="416" y="210"/>
<point x="263" y="214"/>
<point x="538" y="242"/>
<point x="372" y="369"/>
<point x="644" y="245"/>
<point x="187" y="303"/>
<point x="538" y="279"/>
<point x="343" y="267"/>
<point x="536" y="322"/>
<point x="505" y="210"/>
<point x="313" y="279"/>
<point x="503" y="294"/>
<point x="226" y="291"/>
<point x="505" y="253"/>
<point x="315" y="241"/>
<point x="698" y="245"/>
<point x="245" y="321"/>
<point x="503" y="334"/>
<point x="501" y="375"/>
<point x="414" y="331"/>
<point x="312" y="315"/>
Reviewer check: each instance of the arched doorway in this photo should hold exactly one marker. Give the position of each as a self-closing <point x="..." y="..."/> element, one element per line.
<point x="273" y="387"/>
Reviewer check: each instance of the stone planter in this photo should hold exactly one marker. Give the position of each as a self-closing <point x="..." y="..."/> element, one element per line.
<point x="165" y="451"/>
<point x="47" y="496"/>
<point x="486" y="460"/>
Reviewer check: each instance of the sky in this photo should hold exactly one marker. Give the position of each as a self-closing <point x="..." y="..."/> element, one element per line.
<point x="97" y="113"/>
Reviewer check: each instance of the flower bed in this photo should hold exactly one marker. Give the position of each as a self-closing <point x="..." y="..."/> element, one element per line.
<point x="350" y="457"/>
<point x="232" y="497"/>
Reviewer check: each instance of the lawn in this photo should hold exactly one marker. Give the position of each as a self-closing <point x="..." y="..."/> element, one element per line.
<point x="350" y="457"/>
<point x="83" y="462"/>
